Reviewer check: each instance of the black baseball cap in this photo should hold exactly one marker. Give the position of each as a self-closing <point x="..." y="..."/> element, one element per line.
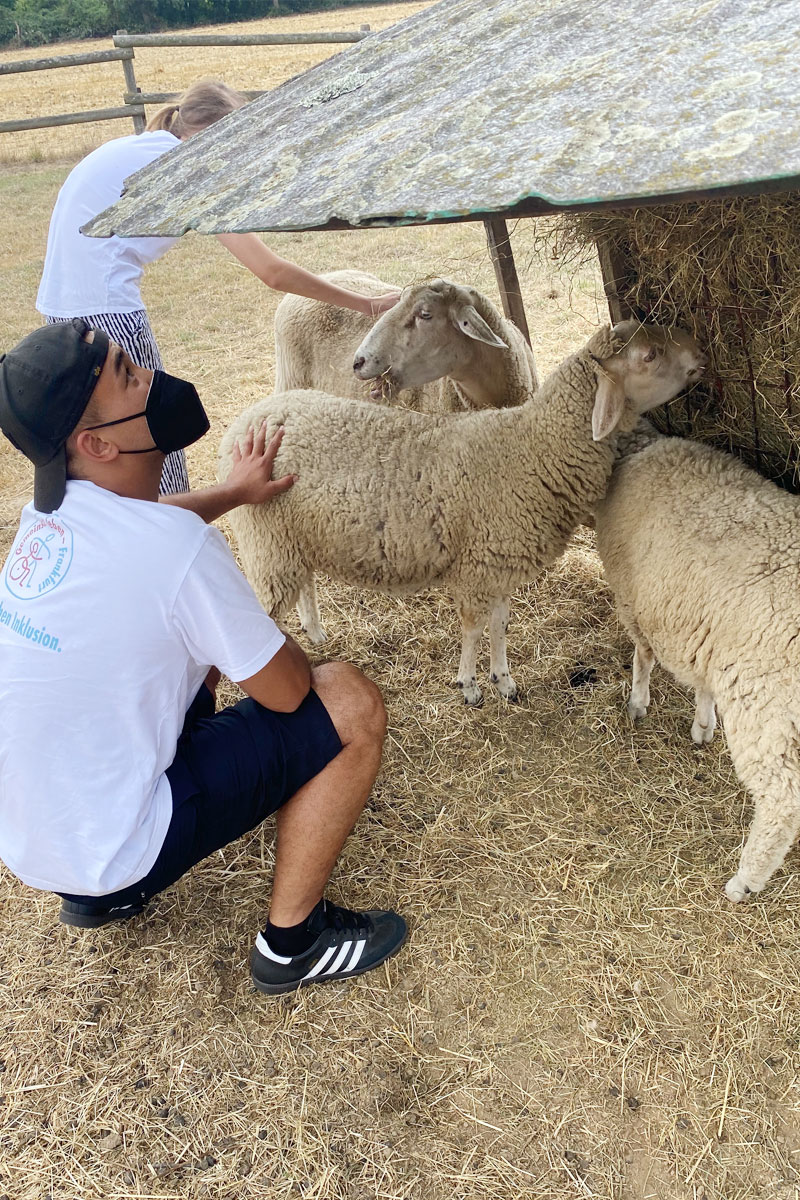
<point x="45" y="384"/>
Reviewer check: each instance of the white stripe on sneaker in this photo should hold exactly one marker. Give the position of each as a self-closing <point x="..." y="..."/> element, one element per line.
<point x="326" y="958"/>
<point x="262" y="945"/>
<point x="340" y="957"/>
<point x="359" y="950"/>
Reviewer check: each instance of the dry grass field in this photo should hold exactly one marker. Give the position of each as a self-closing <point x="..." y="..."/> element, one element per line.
<point x="579" y="1012"/>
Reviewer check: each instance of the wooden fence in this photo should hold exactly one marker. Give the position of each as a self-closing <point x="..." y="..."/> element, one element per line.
<point x="125" y="56"/>
<point x="134" y="100"/>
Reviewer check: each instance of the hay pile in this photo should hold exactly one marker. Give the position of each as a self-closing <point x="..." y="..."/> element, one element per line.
<point x="727" y="270"/>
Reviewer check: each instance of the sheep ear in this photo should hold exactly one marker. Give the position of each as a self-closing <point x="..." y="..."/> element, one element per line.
<point x="469" y="321"/>
<point x="609" y="405"/>
<point x="646" y="353"/>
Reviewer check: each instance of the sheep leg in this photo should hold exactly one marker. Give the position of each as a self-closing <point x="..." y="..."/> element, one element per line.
<point x="498" y="662"/>
<point x="277" y="573"/>
<point x="273" y="590"/>
<point x="766" y="761"/>
<point x="270" y="565"/>
<point x="643" y="660"/>
<point x="775" y="827"/>
<point x="308" y="611"/>
<point x="473" y="622"/>
<point x="705" y="717"/>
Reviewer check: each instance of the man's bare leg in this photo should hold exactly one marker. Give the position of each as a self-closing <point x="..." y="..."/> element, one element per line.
<point x="212" y="681"/>
<point x="314" y="824"/>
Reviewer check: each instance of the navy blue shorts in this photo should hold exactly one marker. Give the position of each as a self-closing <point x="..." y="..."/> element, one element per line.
<point x="231" y="770"/>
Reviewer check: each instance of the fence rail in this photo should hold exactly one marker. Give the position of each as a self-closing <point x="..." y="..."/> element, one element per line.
<point x="236" y="39"/>
<point x="64" y="60"/>
<point x="79" y="118"/>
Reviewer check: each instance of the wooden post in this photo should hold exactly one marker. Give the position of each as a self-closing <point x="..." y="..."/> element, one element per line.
<point x="139" y="122"/>
<point x="506" y="274"/>
<point x="615" y="270"/>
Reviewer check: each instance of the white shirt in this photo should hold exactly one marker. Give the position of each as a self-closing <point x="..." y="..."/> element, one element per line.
<point x="84" y="275"/>
<point x="112" y="610"/>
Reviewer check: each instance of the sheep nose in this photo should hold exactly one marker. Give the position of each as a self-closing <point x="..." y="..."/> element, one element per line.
<point x="358" y="362"/>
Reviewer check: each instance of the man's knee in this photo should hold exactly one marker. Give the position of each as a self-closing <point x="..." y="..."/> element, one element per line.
<point x="354" y="703"/>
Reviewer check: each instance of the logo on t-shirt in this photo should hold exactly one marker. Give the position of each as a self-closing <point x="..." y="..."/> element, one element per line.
<point x="40" y="558"/>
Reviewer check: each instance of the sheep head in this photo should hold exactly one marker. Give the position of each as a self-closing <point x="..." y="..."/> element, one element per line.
<point x="639" y="367"/>
<point x="431" y="332"/>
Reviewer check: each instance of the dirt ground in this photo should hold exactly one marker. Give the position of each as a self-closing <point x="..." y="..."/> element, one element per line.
<point x="579" y="1011"/>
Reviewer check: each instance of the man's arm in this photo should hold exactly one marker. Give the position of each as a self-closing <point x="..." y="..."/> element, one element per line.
<point x="283" y="684"/>
<point x="250" y="480"/>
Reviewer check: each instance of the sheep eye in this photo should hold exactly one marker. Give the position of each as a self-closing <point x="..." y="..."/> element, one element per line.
<point x="651" y="353"/>
<point x="425" y="316"/>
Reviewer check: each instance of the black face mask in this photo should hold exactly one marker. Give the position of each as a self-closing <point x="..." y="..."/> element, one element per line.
<point x="175" y="416"/>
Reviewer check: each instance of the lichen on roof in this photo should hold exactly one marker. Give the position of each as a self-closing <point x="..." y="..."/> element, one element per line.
<point x="471" y="108"/>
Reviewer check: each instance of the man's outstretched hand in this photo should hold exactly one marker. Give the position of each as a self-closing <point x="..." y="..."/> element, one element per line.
<point x="250" y="480"/>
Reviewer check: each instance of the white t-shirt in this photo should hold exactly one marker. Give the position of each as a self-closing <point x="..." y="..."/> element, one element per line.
<point x="86" y="275"/>
<point x="111" y="612"/>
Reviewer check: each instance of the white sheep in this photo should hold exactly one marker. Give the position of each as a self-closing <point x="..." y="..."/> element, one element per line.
<point x="452" y="347"/>
<point x="479" y="502"/>
<point x="703" y="557"/>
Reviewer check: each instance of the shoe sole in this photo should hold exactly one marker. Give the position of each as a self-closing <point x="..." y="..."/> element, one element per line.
<point x="89" y="921"/>
<point x="277" y="989"/>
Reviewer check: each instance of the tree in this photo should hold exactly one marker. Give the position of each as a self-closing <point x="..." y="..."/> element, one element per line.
<point x="48" y="20"/>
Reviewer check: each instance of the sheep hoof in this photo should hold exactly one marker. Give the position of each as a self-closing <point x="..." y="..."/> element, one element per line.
<point x="471" y="692"/>
<point x="636" y="710"/>
<point x="316" y="635"/>
<point x="736" y="889"/>
<point x="702" y="734"/>
<point x="506" y="687"/>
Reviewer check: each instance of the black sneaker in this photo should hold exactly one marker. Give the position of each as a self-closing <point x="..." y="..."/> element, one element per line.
<point x="88" y="916"/>
<point x="349" y="944"/>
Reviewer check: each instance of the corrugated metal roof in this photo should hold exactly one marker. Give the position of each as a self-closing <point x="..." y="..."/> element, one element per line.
<point x="479" y="107"/>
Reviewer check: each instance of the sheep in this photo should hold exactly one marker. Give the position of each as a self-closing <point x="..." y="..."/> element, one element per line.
<point x="398" y="501"/>
<point x="643" y="434"/>
<point x="703" y="557"/>
<point x="462" y="353"/>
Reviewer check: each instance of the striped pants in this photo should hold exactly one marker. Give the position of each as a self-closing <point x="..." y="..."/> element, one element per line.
<point x="132" y="332"/>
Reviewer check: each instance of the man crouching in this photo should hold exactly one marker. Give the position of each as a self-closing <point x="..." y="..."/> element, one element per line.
<point x="117" y="615"/>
